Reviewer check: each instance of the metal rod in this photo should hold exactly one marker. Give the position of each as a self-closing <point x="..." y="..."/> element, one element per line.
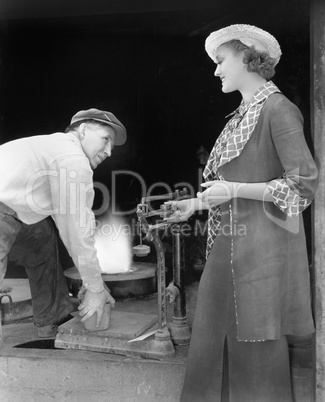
<point x="169" y="196"/>
<point x="159" y="226"/>
<point x="153" y="236"/>
<point x="179" y="272"/>
<point x="155" y="212"/>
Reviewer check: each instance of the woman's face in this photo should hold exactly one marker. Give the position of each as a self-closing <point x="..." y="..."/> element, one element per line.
<point x="230" y="69"/>
<point x="97" y="142"/>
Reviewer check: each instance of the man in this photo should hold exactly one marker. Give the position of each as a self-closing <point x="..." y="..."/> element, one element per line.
<point x="52" y="175"/>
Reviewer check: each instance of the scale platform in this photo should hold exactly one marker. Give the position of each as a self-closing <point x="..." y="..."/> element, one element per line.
<point x="124" y="327"/>
<point x="140" y="280"/>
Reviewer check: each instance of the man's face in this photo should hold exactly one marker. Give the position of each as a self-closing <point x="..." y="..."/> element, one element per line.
<point x="97" y="143"/>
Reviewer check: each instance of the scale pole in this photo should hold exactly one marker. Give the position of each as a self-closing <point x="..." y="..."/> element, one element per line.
<point x="179" y="328"/>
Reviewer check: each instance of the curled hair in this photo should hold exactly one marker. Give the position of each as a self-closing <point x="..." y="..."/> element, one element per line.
<point x="257" y="62"/>
<point x="75" y="125"/>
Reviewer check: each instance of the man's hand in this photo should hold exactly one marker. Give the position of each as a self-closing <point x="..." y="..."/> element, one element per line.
<point x="94" y="302"/>
<point x="5" y="289"/>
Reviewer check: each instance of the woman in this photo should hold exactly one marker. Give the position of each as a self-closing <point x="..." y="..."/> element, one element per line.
<point x="260" y="176"/>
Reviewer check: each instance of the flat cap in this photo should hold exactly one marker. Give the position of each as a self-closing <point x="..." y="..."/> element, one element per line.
<point x="103" y="117"/>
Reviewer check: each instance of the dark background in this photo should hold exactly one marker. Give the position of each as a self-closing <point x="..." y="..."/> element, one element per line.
<point x="144" y="61"/>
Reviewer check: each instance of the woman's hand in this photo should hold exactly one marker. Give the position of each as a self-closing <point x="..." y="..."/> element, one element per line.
<point x="182" y="210"/>
<point x="217" y="192"/>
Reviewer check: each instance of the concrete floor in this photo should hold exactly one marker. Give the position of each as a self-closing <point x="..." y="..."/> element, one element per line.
<point x="41" y="375"/>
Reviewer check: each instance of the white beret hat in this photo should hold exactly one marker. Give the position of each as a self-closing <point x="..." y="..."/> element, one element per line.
<point x="249" y="35"/>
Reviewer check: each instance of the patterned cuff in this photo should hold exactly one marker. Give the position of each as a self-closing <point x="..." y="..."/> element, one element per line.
<point x="214" y="221"/>
<point x="285" y="199"/>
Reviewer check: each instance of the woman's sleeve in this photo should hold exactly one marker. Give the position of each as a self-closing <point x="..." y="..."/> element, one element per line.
<point x="295" y="190"/>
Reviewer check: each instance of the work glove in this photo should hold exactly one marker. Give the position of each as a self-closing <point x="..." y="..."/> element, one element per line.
<point x="83" y="290"/>
<point x="94" y="302"/>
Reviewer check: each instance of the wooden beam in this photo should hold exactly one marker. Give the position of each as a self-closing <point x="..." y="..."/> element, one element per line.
<point x="21" y="9"/>
<point x="318" y="130"/>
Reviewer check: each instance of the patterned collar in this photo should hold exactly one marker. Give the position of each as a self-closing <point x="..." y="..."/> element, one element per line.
<point x="237" y="131"/>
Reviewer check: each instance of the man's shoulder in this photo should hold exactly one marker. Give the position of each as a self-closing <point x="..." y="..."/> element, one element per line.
<point x="58" y="143"/>
<point x="55" y="148"/>
<point x="57" y="137"/>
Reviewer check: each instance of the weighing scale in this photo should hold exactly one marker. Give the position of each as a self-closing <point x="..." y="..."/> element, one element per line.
<point x="138" y="334"/>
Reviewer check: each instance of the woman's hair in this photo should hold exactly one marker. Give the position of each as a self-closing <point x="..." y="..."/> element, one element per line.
<point x="257" y="62"/>
<point x="75" y="125"/>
